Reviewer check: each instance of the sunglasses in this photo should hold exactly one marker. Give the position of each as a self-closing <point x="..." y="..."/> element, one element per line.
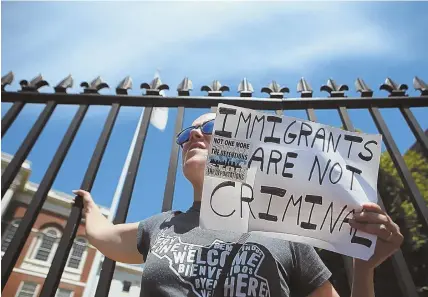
<point x="184" y="136"/>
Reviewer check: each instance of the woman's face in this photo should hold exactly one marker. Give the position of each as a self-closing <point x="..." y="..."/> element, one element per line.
<point x="195" y="151"/>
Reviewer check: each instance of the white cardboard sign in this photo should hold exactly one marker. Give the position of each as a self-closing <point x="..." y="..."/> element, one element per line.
<point x="290" y="178"/>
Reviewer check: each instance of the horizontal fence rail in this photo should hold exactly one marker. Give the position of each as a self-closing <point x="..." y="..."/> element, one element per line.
<point x="337" y="100"/>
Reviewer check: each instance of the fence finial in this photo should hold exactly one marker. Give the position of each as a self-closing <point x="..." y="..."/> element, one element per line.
<point x="420" y="85"/>
<point x="63" y="85"/>
<point x="96" y="85"/>
<point x="34" y="85"/>
<point x="304" y="88"/>
<point x="363" y="88"/>
<point x="275" y="90"/>
<point x="393" y="89"/>
<point x="154" y="87"/>
<point x="333" y="89"/>
<point x="7" y="80"/>
<point x="245" y="89"/>
<point x="125" y="85"/>
<point x="185" y="87"/>
<point x="215" y="89"/>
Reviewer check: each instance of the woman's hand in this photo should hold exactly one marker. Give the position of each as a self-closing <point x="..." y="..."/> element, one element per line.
<point x="375" y="221"/>
<point x="88" y="203"/>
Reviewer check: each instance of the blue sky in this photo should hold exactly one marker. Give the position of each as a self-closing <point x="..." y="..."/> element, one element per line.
<point x="205" y="41"/>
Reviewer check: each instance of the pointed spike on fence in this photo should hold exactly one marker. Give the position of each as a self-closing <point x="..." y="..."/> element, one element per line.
<point x="245" y="89"/>
<point x="185" y="87"/>
<point x="363" y="88"/>
<point x="420" y="86"/>
<point x="7" y="80"/>
<point x="63" y="85"/>
<point x="154" y="87"/>
<point x="34" y="85"/>
<point x="125" y="85"/>
<point x="274" y="90"/>
<point x="393" y="89"/>
<point x="333" y="89"/>
<point x="215" y="89"/>
<point x="95" y="85"/>
<point x="304" y="88"/>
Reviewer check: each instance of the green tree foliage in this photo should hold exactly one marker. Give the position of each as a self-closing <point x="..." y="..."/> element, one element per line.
<point x="402" y="211"/>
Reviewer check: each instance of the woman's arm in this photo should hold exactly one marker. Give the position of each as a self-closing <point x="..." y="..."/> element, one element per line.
<point x="117" y="242"/>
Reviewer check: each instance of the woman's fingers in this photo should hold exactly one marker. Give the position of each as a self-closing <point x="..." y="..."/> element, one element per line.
<point x="380" y="230"/>
<point x="371" y="217"/>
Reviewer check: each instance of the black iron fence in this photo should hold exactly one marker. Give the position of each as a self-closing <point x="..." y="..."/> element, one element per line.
<point x="337" y="100"/>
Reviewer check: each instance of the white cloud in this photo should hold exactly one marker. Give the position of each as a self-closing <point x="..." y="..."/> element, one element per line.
<point x="203" y="40"/>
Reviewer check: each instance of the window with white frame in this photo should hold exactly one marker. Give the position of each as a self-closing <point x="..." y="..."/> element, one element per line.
<point x="77" y="253"/>
<point x="47" y="244"/>
<point x="64" y="293"/>
<point x="8" y="234"/>
<point x="28" y="289"/>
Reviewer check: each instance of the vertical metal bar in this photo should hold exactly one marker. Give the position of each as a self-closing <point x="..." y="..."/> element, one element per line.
<point x="401" y="167"/>
<point x="54" y="275"/>
<point x="24" y="229"/>
<point x="109" y="265"/>
<point x="173" y="162"/>
<point x="12" y="169"/>
<point x="10" y="116"/>
<point x="416" y="129"/>
<point x="311" y="114"/>
<point x="401" y="270"/>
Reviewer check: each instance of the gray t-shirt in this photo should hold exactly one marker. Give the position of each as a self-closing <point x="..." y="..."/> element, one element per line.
<point x="181" y="259"/>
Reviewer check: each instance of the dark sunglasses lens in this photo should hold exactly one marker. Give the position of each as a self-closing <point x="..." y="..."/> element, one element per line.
<point x="183" y="136"/>
<point x="208" y="127"/>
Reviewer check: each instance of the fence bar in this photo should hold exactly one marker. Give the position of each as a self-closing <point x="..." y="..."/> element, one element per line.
<point x="173" y="162"/>
<point x="24" y="229"/>
<point x="401" y="270"/>
<point x="401" y="167"/>
<point x="54" y="275"/>
<point x="12" y="169"/>
<point x="109" y="265"/>
<point x="10" y="116"/>
<point x="311" y="114"/>
<point x="208" y="102"/>
<point x="416" y="129"/>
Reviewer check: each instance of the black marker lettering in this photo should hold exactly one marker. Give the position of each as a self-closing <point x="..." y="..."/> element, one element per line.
<point x="288" y="164"/>
<point x="304" y="133"/>
<point x="332" y="226"/>
<point x="346" y="220"/>
<point x="332" y="170"/>
<point x="274" y="160"/>
<point x="290" y="135"/>
<point x="320" y="178"/>
<point x="256" y="118"/>
<point x="258" y="159"/>
<point x="319" y="136"/>
<point x="241" y="115"/>
<point x="354" y="170"/>
<point x="352" y="139"/>
<point x="226" y="111"/>
<point x="274" y="120"/>
<point x="247" y="199"/>
<point x="314" y="199"/>
<point x="221" y="185"/>
<point x="299" y="201"/>
<point x="360" y="240"/>
<point x="331" y="140"/>
<point x="272" y="191"/>
<point x="367" y="158"/>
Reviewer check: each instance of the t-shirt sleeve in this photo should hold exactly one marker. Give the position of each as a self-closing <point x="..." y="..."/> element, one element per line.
<point x="146" y="229"/>
<point x="309" y="270"/>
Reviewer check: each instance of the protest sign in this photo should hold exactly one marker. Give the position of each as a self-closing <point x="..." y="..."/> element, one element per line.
<point x="290" y="178"/>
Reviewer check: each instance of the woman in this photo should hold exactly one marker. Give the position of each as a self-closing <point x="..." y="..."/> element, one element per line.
<point x="182" y="259"/>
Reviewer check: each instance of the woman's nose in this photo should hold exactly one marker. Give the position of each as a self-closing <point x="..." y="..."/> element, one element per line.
<point x="196" y="134"/>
